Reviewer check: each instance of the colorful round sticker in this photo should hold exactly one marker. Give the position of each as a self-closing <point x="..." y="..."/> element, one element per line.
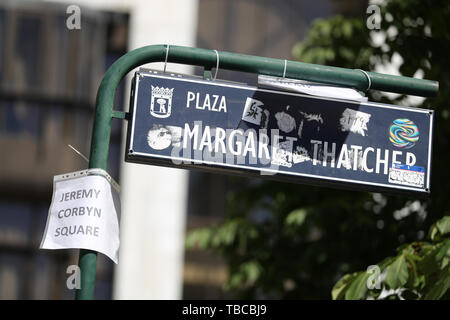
<point x="403" y="133"/>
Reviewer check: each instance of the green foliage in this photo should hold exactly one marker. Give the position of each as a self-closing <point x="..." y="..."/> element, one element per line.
<point x="336" y="41"/>
<point x="358" y="287"/>
<point x="397" y="273"/>
<point x="421" y="269"/>
<point x="341" y="287"/>
<point x="443" y="225"/>
<point x="286" y="241"/>
<point x="296" y="218"/>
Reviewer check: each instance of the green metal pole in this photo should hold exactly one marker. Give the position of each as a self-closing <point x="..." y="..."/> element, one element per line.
<point x="231" y="61"/>
<point x="100" y="143"/>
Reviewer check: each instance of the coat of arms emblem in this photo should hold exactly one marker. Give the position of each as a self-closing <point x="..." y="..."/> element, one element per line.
<point x="161" y="103"/>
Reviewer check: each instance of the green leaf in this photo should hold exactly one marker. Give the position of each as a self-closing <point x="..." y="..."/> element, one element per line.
<point x="397" y="273"/>
<point x="413" y="279"/>
<point x="251" y="270"/>
<point x="387" y="261"/>
<point x="443" y="255"/>
<point x="429" y="263"/>
<point x="200" y="237"/>
<point x="225" y="234"/>
<point x="354" y="286"/>
<point x="297" y="51"/>
<point x="347" y="29"/>
<point x="443" y="225"/>
<point x="236" y="279"/>
<point x="296" y="217"/>
<point x="440" y="287"/>
<point x="338" y="291"/>
<point x="434" y="233"/>
<point x="358" y="288"/>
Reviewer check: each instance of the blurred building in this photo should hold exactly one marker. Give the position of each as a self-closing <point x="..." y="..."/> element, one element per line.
<point x="49" y="77"/>
<point x="48" y="81"/>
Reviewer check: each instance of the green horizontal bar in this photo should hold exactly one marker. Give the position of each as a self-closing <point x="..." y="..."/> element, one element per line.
<point x="303" y="71"/>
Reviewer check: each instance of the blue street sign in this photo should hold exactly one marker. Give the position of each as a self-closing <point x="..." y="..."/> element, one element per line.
<point x="188" y="122"/>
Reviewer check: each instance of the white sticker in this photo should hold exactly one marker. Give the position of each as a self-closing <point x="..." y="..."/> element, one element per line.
<point x="282" y="154"/>
<point x="406" y="177"/>
<point x="354" y="121"/>
<point x="285" y="122"/>
<point x="312" y="88"/>
<point x="265" y="119"/>
<point x="84" y="213"/>
<point x="252" y="111"/>
<point x="161" y="137"/>
<point x="312" y="117"/>
<point x="300" y="155"/>
<point x="175" y="132"/>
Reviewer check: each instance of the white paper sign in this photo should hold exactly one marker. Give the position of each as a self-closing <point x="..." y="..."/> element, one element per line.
<point x="84" y="213"/>
<point x="312" y="88"/>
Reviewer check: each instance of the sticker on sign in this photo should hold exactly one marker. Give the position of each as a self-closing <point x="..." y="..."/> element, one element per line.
<point x="407" y="175"/>
<point x="84" y="213"/>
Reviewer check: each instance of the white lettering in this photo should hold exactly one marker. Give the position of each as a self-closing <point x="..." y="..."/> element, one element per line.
<point x="238" y="143"/>
<point x="206" y="140"/>
<point x="190" y="97"/>
<point x="190" y="134"/>
<point x="364" y="159"/>
<point x="316" y="150"/>
<point x="382" y="161"/>
<point x="327" y="154"/>
<point x="262" y="145"/>
<point x="410" y="159"/>
<point x="356" y="150"/>
<point x="219" y="140"/>
<point x="250" y="145"/>
<point x="344" y="154"/>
